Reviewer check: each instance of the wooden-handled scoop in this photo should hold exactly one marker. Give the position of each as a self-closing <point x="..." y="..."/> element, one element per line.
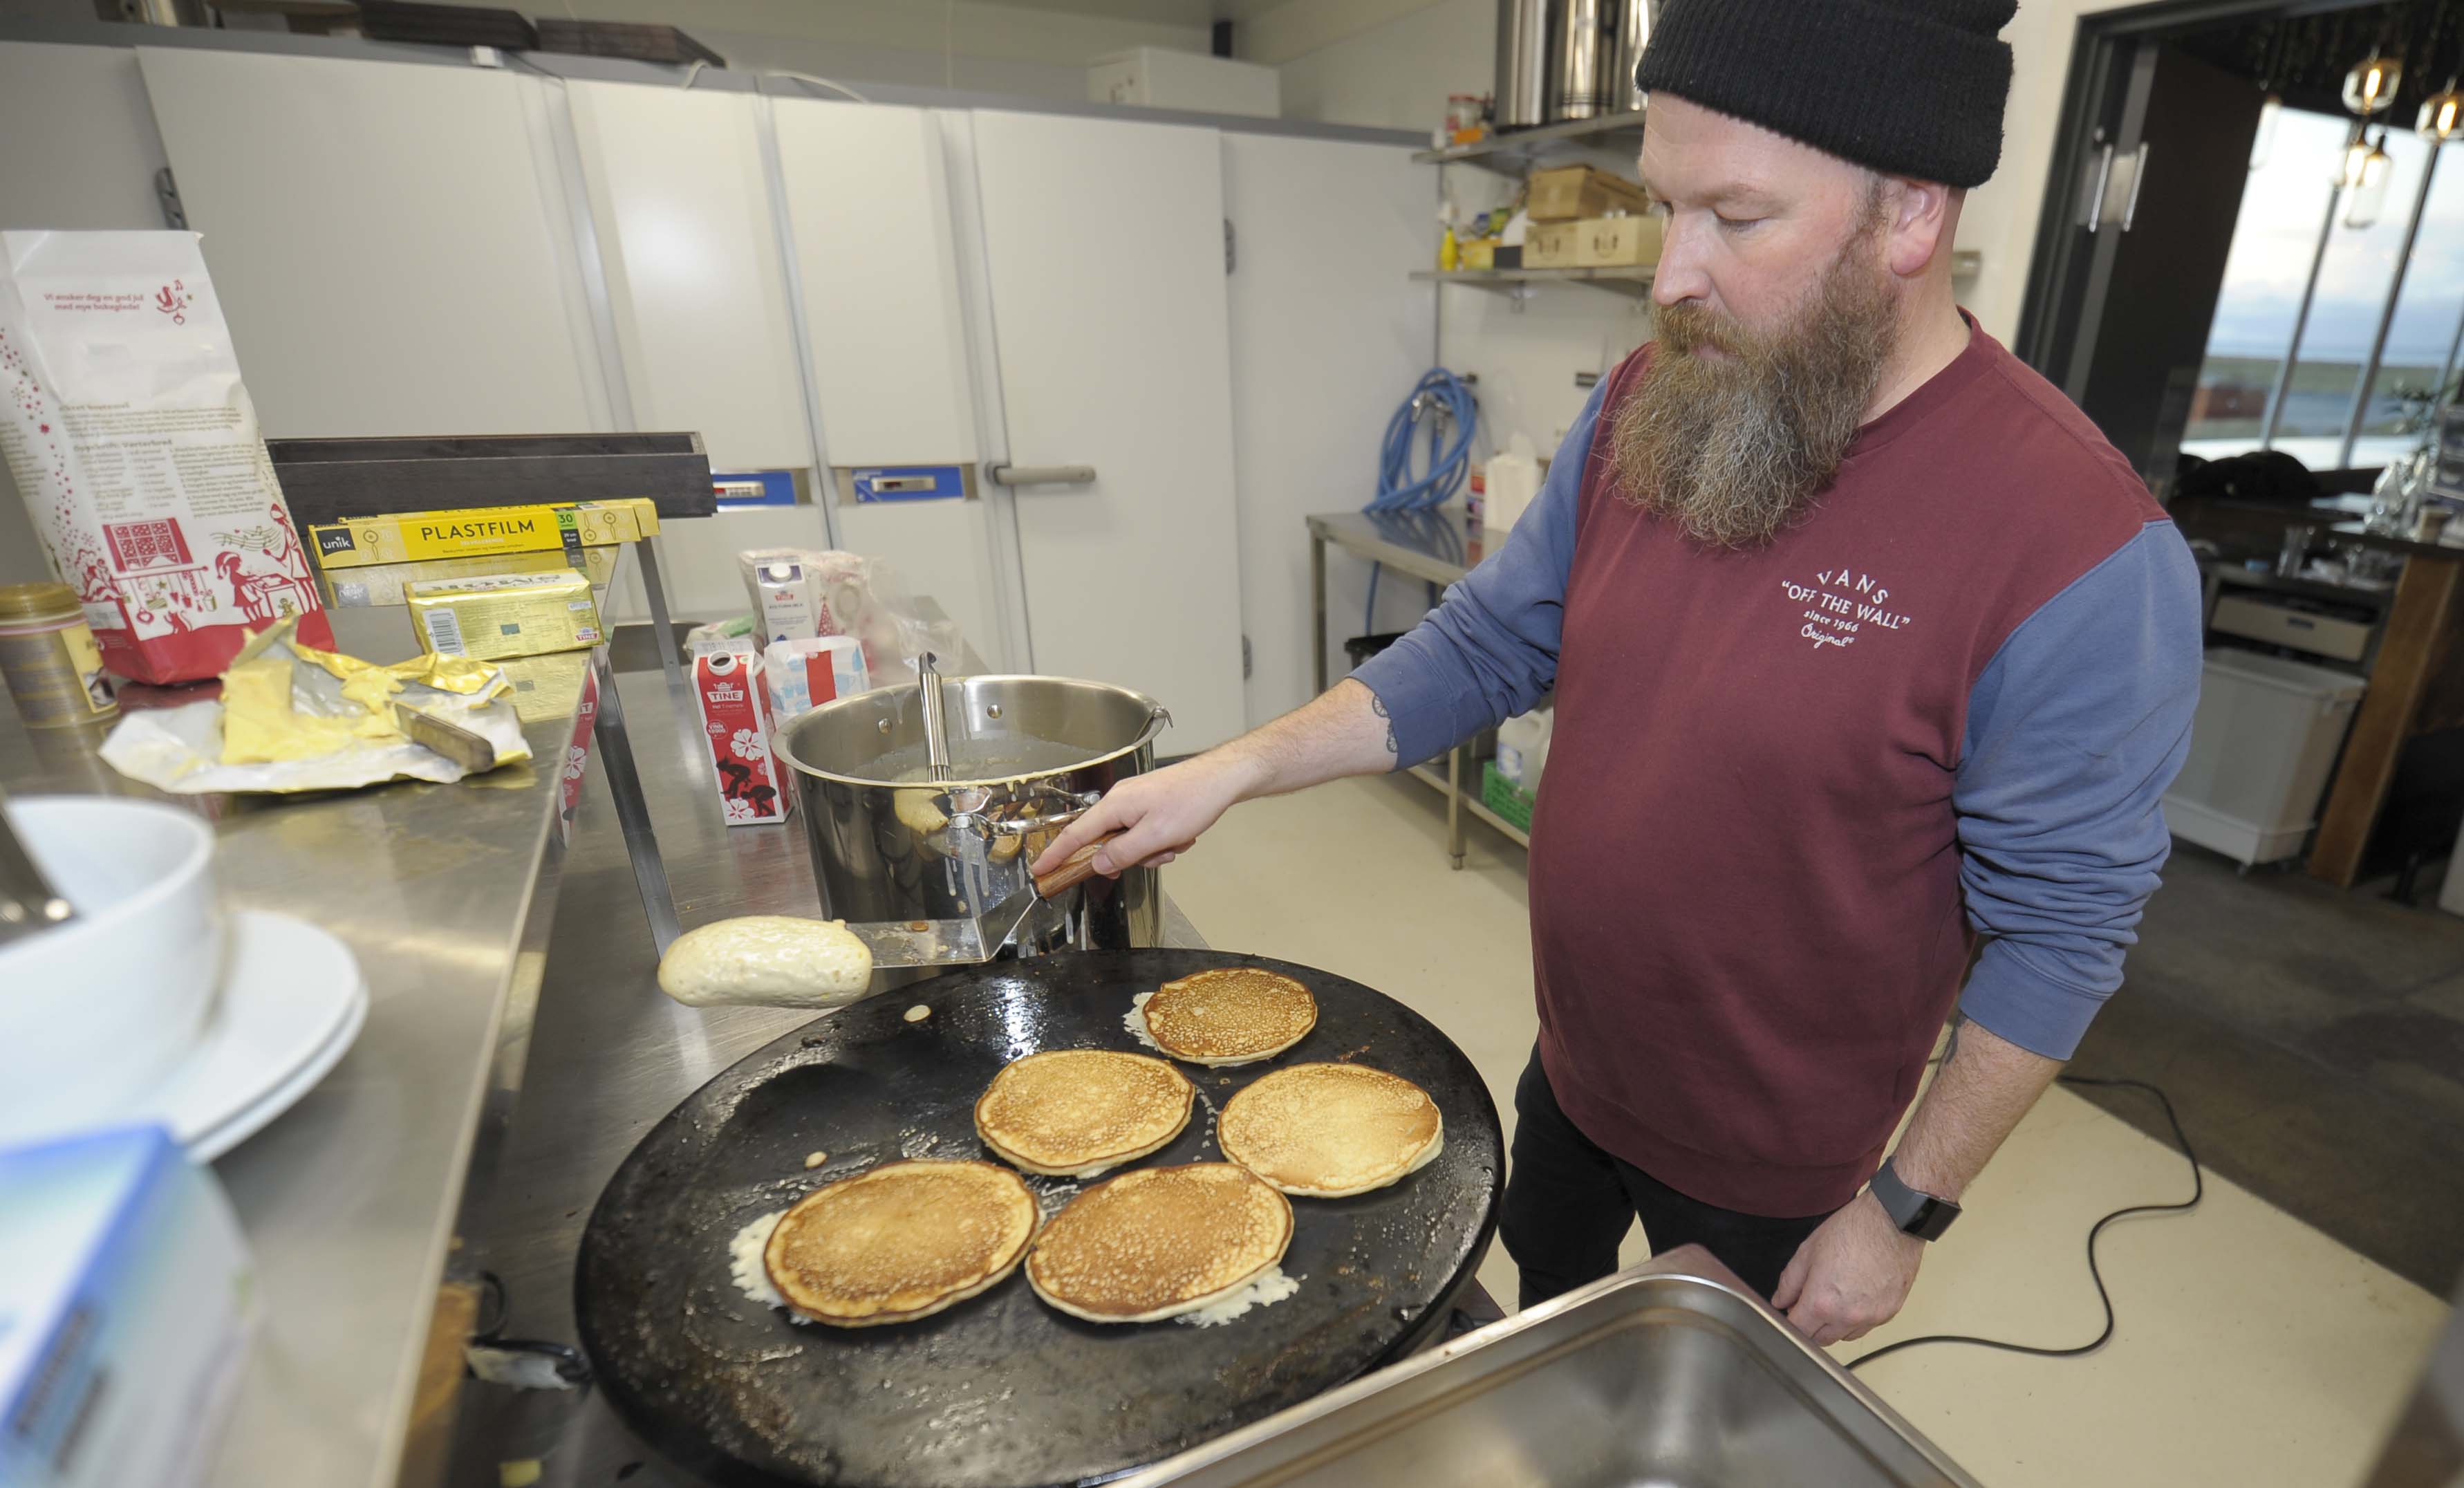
<point x="899" y="944"/>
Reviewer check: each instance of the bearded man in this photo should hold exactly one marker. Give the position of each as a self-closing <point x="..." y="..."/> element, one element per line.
<point x="1871" y="660"/>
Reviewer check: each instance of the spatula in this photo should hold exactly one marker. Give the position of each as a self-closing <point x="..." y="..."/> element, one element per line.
<point x="899" y="943"/>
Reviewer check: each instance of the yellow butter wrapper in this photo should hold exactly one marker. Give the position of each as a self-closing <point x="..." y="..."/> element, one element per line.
<point x="414" y="537"/>
<point x="383" y="583"/>
<point x="491" y="618"/>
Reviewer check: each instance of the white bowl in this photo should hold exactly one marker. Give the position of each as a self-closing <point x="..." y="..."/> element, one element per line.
<point x="94" y="1013"/>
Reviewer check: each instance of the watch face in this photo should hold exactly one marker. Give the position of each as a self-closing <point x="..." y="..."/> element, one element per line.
<point x="1932" y="1217"/>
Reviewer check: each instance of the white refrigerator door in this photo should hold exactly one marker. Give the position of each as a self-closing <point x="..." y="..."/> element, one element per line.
<point x="869" y="208"/>
<point x="1105" y="245"/>
<point x="682" y="207"/>
<point x="387" y="240"/>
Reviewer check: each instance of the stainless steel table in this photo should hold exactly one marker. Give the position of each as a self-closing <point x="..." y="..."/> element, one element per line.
<point x="445" y="894"/>
<point x="1431" y="547"/>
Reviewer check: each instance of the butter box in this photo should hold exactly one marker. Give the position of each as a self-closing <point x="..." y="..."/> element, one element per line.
<point x="492" y="616"/>
<point x="411" y="537"/>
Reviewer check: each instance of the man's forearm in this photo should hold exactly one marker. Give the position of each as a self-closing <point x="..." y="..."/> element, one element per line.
<point x="1343" y="731"/>
<point x="1983" y="1088"/>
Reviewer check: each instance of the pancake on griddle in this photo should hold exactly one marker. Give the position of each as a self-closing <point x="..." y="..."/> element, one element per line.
<point x="1160" y="1241"/>
<point x="1073" y="1113"/>
<point x="1229" y="1015"/>
<point x="900" y="1241"/>
<point x="1328" y="1131"/>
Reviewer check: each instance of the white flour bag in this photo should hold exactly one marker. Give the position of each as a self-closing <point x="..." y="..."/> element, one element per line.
<point x="137" y="450"/>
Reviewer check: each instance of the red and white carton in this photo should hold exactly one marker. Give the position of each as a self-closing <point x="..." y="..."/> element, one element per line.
<point x="736" y="717"/>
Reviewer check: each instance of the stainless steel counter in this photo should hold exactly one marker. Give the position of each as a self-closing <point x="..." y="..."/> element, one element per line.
<point x="444" y="893"/>
<point x="355" y="1202"/>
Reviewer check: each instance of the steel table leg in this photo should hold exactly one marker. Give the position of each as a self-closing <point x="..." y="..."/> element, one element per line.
<point x="632" y="804"/>
<point x="664" y="631"/>
<point x="1317" y="588"/>
<point x="1454" y="805"/>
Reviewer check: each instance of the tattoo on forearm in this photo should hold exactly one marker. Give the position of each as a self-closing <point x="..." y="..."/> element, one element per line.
<point x="1377" y="705"/>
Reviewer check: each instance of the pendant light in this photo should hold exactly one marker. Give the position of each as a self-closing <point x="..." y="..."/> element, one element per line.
<point x="2369" y="88"/>
<point x="2366" y="184"/>
<point x="2262" y="143"/>
<point x="2354" y="164"/>
<point x="2442" y="115"/>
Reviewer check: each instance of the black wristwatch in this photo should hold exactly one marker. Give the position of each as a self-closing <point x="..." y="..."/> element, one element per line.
<point x="1915" y="1212"/>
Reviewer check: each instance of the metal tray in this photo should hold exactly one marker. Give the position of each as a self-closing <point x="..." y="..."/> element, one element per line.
<point x="1669" y="1373"/>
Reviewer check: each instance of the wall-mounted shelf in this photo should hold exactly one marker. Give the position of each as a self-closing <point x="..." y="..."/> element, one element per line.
<point x="1511" y="154"/>
<point x="1634" y="282"/>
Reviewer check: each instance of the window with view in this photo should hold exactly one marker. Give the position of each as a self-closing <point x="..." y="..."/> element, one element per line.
<point x="2291" y="207"/>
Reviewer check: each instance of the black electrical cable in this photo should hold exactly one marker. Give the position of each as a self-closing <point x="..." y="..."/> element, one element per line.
<point x="2198" y="1191"/>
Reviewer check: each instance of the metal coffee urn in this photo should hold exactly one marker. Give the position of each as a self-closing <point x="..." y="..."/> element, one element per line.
<point x="1617" y="93"/>
<point x="1575" y="79"/>
<point x="1523" y="62"/>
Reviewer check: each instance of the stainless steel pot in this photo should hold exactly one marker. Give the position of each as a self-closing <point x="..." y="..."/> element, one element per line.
<point x="889" y="844"/>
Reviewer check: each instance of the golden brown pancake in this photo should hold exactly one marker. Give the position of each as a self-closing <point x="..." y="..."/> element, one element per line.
<point x="1073" y="1113"/>
<point x="1160" y="1241"/>
<point x="900" y="1241"/>
<point x="1230" y="1015"/>
<point x="1326" y="1131"/>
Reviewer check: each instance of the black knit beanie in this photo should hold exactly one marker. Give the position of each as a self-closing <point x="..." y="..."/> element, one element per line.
<point x="1907" y="87"/>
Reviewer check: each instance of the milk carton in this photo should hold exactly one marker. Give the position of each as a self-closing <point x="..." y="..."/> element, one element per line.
<point x="736" y="718"/>
<point x="803" y="674"/>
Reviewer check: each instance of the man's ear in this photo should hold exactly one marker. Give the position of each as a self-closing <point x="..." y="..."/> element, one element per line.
<point x="1922" y="214"/>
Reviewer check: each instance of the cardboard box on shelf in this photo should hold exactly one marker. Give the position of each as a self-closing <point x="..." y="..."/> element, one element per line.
<point x="1552" y="245"/>
<point x="1617" y="242"/>
<point x="1566" y="193"/>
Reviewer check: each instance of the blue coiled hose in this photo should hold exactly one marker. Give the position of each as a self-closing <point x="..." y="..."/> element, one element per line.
<point x="1450" y="461"/>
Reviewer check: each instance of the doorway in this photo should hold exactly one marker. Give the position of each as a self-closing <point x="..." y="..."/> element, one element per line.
<point x="2206" y="280"/>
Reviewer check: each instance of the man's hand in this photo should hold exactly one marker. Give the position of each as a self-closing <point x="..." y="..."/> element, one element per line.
<point x="1158" y="815"/>
<point x="1344" y="731"/>
<point x="1849" y="1276"/>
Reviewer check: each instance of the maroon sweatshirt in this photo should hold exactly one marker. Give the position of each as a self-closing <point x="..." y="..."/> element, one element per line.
<point x="1790" y="790"/>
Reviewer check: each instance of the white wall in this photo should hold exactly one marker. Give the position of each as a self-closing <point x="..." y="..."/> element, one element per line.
<point x="1395" y="74"/>
<point x="1327" y="336"/>
<point x="94" y="169"/>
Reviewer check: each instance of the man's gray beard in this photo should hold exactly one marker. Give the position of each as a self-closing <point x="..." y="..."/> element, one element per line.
<point x="1734" y="450"/>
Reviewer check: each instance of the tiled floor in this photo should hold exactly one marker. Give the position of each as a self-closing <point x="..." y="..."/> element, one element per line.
<point x="2320" y="1037"/>
<point x="2251" y="1348"/>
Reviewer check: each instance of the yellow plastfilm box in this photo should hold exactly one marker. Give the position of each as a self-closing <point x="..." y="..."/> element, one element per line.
<point x="415" y="536"/>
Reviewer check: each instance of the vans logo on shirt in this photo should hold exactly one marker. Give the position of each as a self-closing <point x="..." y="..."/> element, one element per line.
<point x="1842" y="605"/>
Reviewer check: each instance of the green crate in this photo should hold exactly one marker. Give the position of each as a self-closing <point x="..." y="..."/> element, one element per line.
<point x="1504" y="796"/>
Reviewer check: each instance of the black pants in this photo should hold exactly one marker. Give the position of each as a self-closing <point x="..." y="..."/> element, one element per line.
<point x="1568" y="1204"/>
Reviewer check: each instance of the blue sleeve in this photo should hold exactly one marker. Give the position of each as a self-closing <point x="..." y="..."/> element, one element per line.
<point x="1489" y="652"/>
<point x="2074" y="731"/>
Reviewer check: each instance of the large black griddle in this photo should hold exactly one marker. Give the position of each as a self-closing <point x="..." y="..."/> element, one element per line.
<point x="1000" y="1390"/>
